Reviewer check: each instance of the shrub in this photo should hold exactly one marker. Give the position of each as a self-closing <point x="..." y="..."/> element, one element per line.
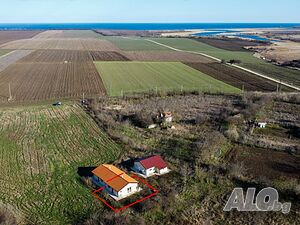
<point x="8" y="216"/>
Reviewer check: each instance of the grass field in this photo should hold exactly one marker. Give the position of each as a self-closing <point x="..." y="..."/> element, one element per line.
<point x="4" y="51"/>
<point x="133" y="44"/>
<point x="126" y="77"/>
<point x="41" y="148"/>
<point x="248" y="60"/>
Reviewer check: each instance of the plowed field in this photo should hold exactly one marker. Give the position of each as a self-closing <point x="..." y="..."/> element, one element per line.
<point x="45" y="75"/>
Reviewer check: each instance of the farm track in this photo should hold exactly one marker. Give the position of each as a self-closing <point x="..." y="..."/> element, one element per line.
<point x="41" y="149"/>
<point x="12" y="57"/>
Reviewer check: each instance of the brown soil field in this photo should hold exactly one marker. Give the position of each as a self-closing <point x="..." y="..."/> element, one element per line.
<point x="158" y="56"/>
<point x="49" y="34"/>
<point x="107" y="56"/>
<point x="67" y="34"/>
<point x="42" y="76"/>
<point x="12" y="57"/>
<point x="62" y="44"/>
<point x="235" y="77"/>
<point x="7" y="36"/>
<point x="230" y="44"/>
<point x="142" y="33"/>
<point x="62" y="56"/>
<point x="258" y="163"/>
<point x="57" y="56"/>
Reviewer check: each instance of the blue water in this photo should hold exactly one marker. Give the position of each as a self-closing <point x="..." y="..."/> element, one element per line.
<point x="144" y="26"/>
<point x="213" y="33"/>
<point x="253" y="37"/>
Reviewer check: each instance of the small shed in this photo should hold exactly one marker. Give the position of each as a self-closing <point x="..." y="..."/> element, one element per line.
<point x="165" y="117"/>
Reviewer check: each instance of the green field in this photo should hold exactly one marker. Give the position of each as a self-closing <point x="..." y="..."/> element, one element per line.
<point x="3" y="51"/>
<point x="248" y="60"/>
<point x="41" y="148"/>
<point x="126" y="77"/>
<point x="80" y="34"/>
<point x="133" y="43"/>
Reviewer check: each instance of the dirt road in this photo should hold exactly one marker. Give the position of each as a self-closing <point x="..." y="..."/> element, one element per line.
<point x="236" y="66"/>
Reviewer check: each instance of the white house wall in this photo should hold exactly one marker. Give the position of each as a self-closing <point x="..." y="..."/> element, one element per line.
<point x="124" y="191"/>
<point x="150" y="171"/>
<point x="164" y="170"/>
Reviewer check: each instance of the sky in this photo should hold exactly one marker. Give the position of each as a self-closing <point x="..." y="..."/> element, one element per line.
<point x="158" y="11"/>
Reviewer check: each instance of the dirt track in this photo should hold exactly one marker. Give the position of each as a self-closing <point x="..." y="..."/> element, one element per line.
<point x="12" y="57"/>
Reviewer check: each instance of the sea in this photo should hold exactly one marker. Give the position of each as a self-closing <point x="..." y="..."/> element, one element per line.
<point x="143" y="26"/>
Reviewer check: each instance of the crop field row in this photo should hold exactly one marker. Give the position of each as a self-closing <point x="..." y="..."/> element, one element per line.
<point x="133" y="43"/>
<point x="41" y="149"/>
<point x="7" y="36"/>
<point x="248" y="60"/>
<point x="127" y="77"/>
<point x="39" y="76"/>
<point x="235" y="77"/>
<point x="12" y="57"/>
<point x="62" y="56"/>
<point x="165" y="56"/>
<point x="67" y="34"/>
<point x="62" y="44"/>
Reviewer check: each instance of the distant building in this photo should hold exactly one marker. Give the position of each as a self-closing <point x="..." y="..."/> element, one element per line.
<point x="168" y="117"/>
<point x="261" y="124"/>
<point x="115" y="181"/>
<point x="153" y="165"/>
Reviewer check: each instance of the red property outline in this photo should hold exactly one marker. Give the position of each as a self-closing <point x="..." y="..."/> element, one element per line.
<point x="155" y="192"/>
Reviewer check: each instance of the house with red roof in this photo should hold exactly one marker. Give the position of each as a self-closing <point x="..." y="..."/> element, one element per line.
<point x="149" y="166"/>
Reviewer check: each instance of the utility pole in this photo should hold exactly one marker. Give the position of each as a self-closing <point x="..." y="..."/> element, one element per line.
<point x="83" y="97"/>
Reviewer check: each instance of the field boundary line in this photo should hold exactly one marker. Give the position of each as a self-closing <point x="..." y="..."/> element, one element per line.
<point x="2" y="56"/>
<point x="236" y="66"/>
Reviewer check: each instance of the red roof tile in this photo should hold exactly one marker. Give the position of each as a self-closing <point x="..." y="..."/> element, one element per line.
<point x="153" y="161"/>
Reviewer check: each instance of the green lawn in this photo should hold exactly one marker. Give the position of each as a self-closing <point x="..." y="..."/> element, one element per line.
<point x="248" y="60"/>
<point x="126" y="77"/>
<point x="133" y="44"/>
<point x="41" y="149"/>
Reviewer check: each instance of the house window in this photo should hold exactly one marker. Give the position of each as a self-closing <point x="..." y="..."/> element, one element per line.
<point x="129" y="189"/>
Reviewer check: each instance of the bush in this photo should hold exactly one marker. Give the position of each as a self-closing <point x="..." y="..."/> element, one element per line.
<point x="234" y="61"/>
<point x="7" y="216"/>
<point x="232" y="133"/>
